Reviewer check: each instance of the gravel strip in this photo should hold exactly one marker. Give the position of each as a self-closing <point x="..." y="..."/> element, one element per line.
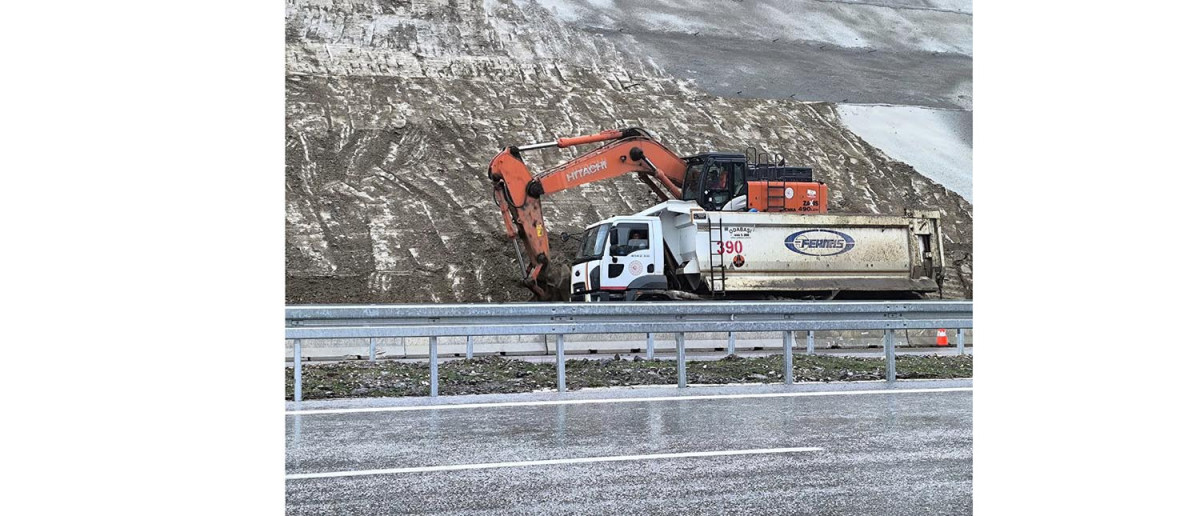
<point x="497" y="375"/>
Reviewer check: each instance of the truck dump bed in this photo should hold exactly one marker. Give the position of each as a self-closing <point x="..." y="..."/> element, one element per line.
<point x="757" y="252"/>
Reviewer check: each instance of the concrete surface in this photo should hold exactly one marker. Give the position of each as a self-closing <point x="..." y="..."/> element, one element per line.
<point x="942" y="26"/>
<point x="880" y="452"/>
<point x="936" y="142"/>
<point x="729" y="67"/>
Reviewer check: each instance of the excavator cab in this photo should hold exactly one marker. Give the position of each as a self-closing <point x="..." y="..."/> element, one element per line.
<point x="716" y="181"/>
<point x="727" y="182"/>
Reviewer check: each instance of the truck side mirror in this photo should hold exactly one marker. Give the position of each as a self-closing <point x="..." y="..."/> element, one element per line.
<point x="612" y="237"/>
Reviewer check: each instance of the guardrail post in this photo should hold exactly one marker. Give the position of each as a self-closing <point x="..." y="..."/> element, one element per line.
<point x="732" y="350"/>
<point x="811" y="345"/>
<point x="296" y="370"/>
<point x="680" y="357"/>
<point x="889" y="351"/>
<point x="649" y="346"/>
<point x="789" y="342"/>
<point x="470" y="347"/>
<point x="960" y="342"/>
<point x="371" y="352"/>
<point x="433" y="374"/>
<point x="562" y="366"/>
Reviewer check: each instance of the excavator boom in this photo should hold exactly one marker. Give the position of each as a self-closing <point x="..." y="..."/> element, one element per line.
<point x="518" y="192"/>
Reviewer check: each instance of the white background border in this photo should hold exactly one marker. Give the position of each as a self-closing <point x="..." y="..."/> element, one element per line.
<point x="143" y="210"/>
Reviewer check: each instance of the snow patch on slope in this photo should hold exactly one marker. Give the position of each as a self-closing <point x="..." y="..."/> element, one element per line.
<point x="936" y="142"/>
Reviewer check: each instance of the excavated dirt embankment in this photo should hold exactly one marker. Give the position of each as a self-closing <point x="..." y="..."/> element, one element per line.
<point x="394" y="110"/>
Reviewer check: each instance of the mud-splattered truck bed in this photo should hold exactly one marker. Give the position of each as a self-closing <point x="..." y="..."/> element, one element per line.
<point x="750" y="253"/>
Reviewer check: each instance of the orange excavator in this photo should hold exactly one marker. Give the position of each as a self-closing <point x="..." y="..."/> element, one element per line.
<point x="715" y="181"/>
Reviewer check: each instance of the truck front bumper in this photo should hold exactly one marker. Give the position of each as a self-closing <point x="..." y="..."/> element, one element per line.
<point x="602" y="295"/>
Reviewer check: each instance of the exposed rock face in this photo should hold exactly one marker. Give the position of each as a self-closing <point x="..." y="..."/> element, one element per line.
<point x="394" y="109"/>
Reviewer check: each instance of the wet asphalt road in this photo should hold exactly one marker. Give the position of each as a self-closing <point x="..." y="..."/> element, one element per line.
<point x="880" y="453"/>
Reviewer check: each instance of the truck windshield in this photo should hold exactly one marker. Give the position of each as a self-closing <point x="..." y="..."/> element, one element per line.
<point x="594" y="240"/>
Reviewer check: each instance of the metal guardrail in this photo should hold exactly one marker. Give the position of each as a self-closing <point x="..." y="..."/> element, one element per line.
<point x="469" y="320"/>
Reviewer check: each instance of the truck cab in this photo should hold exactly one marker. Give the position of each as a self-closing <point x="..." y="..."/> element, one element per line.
<point x="619" y="258"/>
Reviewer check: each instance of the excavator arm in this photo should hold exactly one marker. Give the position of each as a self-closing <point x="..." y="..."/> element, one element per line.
<point x="518" y="192"/>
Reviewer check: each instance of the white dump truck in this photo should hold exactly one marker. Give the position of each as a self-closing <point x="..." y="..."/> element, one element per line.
<point x="678" y="250"/>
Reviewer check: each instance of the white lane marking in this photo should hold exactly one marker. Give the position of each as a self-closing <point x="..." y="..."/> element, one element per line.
<point x="551" y="462"/>
<point x="618" y="400"/>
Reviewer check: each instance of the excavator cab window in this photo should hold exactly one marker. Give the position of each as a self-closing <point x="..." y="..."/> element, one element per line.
<point x="691" y="181"/>
<point x="717" y="182"/>
<point x="739" y="179"/>
<point x="713" y="183"/>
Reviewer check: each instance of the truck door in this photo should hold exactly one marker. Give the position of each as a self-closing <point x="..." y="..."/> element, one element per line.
<point x="737" y="199"/>
<point x="716" y="185"/>
<point x="630" y="255"/>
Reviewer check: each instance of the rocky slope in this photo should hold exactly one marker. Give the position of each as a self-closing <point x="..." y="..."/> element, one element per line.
<point x="394" y="109"/>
